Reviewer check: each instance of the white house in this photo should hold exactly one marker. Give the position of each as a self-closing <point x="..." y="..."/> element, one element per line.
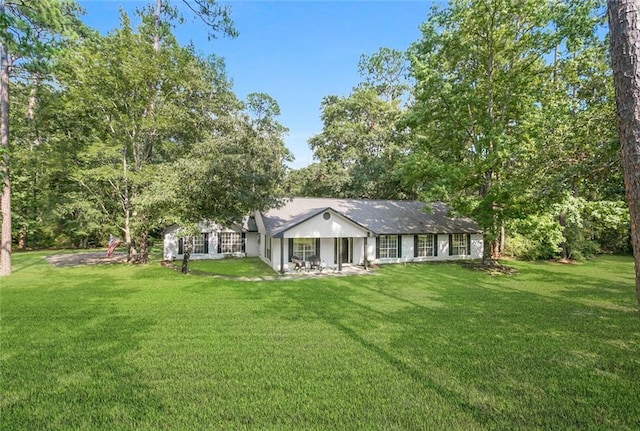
<point x="339" y="232"/>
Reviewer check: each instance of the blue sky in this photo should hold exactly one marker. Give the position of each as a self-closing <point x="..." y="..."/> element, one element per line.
<point x="296" y="51"/>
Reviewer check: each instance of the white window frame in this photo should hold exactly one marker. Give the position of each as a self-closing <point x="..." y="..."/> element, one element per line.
<point x="199" y="243"/>
<point x="304" y="248"/>
<point x="426" y="245"/>
<point x="458" y="244"/>
<point x="230" y="242"/>
<point x="388" y="246"/>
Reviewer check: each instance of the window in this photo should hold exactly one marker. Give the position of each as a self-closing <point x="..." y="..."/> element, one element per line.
<point x="200" y="244"/>
<point x="304" y="248"/>
<point x="267" y="247"/>
<point x="388" y="246"/>
<point x="425" y="245"/>
<point x="230" y="242"/>
<point x="459" y="244"/>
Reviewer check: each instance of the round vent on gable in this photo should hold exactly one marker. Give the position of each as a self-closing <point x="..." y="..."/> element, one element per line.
<point x="326" y="216"/>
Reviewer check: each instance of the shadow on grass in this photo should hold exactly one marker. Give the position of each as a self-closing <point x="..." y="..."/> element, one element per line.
<point x="358" y="321"/>
<point x="501" y="353"/>
<point x="67" y="361"/>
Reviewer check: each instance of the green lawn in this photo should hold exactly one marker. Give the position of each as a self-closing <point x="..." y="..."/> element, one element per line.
<point x="241" y="267"/>
<point x="415" y="347"/>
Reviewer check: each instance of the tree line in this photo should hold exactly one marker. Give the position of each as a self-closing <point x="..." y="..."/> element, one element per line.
<point x="505" y="110"/>
<point x="129" y="132"/>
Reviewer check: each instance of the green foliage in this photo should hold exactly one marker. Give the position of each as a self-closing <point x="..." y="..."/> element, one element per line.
<point x="131" y="121"/>
<point x="225" y="177"/>
<point x="512" y="110"/>
<point x="215" y="16"/>
<point x="324" y="179"/>
<point x="360" y="140"/>
<point x="535" y="237"/>
<point x="135" y="109"/>
<point x="360" y="144"/>
<point x="32" y="31"/>
<point x="587" y="228"/>
<point x="479" y="67"/>
<point x="431" y="346"/>
<point x="385" y="71"/>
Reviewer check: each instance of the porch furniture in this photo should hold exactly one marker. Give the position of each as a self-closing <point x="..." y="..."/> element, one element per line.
<point x="315" y="263"/>
<point x="297" y="263"/>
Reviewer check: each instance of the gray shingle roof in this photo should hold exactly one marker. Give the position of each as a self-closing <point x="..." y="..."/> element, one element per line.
<point x="379" y="216"/>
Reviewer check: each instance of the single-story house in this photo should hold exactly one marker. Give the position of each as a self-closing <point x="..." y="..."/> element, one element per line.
<point x="338" y="232"/>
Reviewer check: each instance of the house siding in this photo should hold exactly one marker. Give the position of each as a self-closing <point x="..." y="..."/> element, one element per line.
<point x="172" y="237"/>
<point x="407" y="250"/>
<point x="336" y="226"/>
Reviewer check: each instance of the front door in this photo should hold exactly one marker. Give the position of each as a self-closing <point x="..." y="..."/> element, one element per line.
<point x="346" y="250"/>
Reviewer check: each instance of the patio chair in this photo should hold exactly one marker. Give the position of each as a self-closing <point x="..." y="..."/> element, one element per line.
<point x="315" y="262"/>
<point x="297" y="263"/>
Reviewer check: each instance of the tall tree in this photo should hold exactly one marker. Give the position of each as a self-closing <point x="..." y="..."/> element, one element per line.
<point x="359" y="135"/>
<point x="480" y="68"/>
<point x="624" y="24"/>
<point x="217" y="19"/>
<point x="360" y="145"/>
<point x="106" y="82"/>
<point x="29" y="30"/>
<point x="228" y="175"/>
<point x="386" y="71"/>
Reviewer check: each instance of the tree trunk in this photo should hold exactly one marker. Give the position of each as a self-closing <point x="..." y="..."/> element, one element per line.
<point x="487" y="250"/>
<point x="156" y="26"/>
<point x="188" y="248"/>
<point x="126" y="206"/>
<point x="5" y="200"/>
<point x="624" y="25"/>
<point x="144" y="247"/>
<point x="564" y="245"/>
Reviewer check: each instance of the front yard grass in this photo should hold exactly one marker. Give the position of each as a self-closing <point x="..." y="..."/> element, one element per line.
<point x="235" y="267"/>
<point x="415" y="347"/>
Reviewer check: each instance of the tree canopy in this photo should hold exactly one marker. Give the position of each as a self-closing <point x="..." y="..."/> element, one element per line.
<point x="504" y="110"/>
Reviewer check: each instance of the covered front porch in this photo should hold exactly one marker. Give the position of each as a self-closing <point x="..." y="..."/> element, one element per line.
<point x="328" y="241"/>
<point x="325" y="254"/>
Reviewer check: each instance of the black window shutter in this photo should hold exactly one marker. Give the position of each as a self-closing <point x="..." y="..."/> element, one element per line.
<point x="435" y="244"/>
<point x="469" y="244"/>
<point x="206" y="242"/>
<point x="180" y="245"/>
<point x="290" y="248"/>
<point x="335" y="250"/>
<point x="399" y="245"/>
<point x="415" y="246"/>
<point x="450" y="245"/>
<point x="377" y="247"/>
<point x="244" y="242"/>
<point x="219" y="243"/>
<point x="317" y="240"/>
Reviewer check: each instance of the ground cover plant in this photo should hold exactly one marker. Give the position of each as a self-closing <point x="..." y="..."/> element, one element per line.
<point x="430" y="346"/>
